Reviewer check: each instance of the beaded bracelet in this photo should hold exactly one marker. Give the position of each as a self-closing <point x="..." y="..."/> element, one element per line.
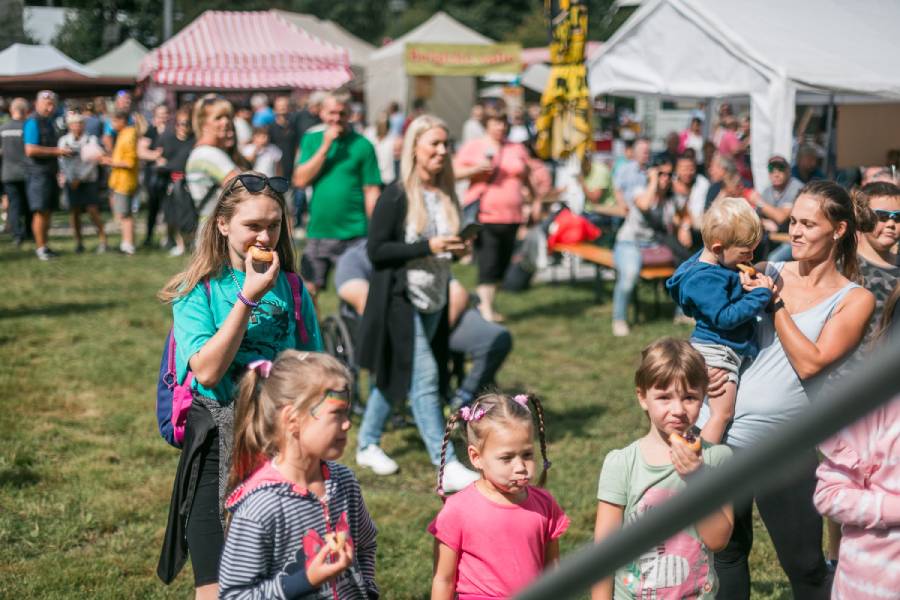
<point x="247" y="301"/>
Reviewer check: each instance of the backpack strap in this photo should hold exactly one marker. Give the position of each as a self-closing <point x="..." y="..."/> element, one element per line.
<point x="170" y="365"/>
<point x="297" y="293"/>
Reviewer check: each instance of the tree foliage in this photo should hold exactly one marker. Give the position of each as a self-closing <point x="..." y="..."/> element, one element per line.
<point x="102" y="24"/>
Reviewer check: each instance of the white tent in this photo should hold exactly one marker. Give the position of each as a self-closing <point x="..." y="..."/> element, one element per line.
<point x="387" y="81"/>
<point x="769" y="50"/>
<point x="24" y="59"/>
<point x="122" y="61"/>
<point x="329" y="31"/>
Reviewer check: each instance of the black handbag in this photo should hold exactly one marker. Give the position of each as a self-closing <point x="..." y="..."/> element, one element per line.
<point x="181" y="213"/>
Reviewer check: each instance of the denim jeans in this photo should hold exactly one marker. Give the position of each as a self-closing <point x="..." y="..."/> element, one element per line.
<point x="424" y="396"/>
<point x="627" y="256"/>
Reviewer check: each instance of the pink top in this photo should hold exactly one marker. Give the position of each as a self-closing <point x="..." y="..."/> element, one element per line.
<point x="729" y="143"/>
<point x="859" y="487"/>
<point x="500" y="547"/>
<point x="501" y="201"/>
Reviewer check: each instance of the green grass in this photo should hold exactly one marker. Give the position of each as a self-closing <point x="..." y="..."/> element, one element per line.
<point x="85" y="478"/>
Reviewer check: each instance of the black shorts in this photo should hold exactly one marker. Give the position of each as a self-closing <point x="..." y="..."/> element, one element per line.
<point x="203" y="530"/>
<point x="494" y="249"/>
<point x="43" y="192"/>
<point x="319" y="257"/>
<point x="86" y="194"/>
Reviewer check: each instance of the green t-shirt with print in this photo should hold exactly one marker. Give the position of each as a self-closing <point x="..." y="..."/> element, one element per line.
<point x="337" y="208"/>
<point x="272" y="328"/>
<point x="680" y="567"/>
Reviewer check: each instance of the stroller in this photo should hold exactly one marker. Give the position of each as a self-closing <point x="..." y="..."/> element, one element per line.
<point x="339" y="336"/>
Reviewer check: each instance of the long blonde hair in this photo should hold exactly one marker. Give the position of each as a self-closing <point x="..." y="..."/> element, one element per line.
<point x="206" y="106"/>
<point x="296" y="379"/>
<point x="211" y="254"/>
<point x="416" y="212"/>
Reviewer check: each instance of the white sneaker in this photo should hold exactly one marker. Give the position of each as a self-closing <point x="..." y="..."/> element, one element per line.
<point x="373" y="457"/>
<point x="176" y="251"/>
<point x="456" y="476"/>
<point x="620" y="329"/>
<point x="126" y="248"/>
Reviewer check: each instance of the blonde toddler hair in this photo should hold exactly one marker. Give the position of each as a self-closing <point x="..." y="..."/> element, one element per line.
<point x="731" y="222"/>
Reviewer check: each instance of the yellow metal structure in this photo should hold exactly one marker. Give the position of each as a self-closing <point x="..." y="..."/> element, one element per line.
<point x="564" y="126"/>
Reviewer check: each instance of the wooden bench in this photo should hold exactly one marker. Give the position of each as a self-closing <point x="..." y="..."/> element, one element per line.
<point x="602" y="258"/>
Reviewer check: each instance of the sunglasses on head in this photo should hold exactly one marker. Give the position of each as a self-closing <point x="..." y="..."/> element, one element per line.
<point x="257" y="183"/>
<point x="887" y="215"/>
<point x="777" y="167"/>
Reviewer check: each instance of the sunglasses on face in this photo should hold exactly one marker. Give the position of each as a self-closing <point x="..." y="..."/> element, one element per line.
<point x="778" y="167"/>
<point x="183" y="123"/>
<point x="257" y="183"/>
<point x="887" y="215"/>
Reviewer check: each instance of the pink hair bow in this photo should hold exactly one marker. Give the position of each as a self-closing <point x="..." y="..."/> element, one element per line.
<point x="468" y="414"/>
<point x="522" y="400"/>
<point x="262" y="367"/>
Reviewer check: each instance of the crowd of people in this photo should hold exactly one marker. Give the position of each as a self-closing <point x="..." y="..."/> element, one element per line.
<point x="384" y="207"/>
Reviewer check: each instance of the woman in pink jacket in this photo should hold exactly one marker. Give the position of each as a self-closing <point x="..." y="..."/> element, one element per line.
<point x="859" y="487"/>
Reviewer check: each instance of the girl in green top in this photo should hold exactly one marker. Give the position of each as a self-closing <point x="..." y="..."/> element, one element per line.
<point x="229" y="311"/>
<point x="671" y="383"/>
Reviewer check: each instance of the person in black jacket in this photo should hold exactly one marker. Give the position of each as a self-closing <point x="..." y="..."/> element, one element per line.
<point x="404" y="330"/>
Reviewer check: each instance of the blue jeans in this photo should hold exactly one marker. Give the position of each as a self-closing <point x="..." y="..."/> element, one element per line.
<point x="424" y="396"/>
<point x="627" y="256"/>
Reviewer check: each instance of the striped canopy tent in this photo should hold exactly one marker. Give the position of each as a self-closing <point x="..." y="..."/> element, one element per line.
<point x="227" y="50"/>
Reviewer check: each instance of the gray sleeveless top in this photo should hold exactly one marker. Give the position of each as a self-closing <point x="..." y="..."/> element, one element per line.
<point x="770" y="391"/>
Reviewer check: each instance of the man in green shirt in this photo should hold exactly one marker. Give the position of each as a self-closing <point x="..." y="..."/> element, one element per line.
<point x="342" y="168"/>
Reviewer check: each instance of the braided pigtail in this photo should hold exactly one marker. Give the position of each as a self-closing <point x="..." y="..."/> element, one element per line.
<point x="542" y="437"/>
<point x="451" y="422"/>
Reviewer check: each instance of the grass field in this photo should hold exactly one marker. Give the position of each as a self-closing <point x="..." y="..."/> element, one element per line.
<point x="85" y="478"/>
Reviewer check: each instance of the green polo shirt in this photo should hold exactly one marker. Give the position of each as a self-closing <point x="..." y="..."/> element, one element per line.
<point x="337" y="209"/>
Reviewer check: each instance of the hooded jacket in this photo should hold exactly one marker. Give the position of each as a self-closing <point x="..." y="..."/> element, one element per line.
<point x="713" y="296"/>
<point x="277" y="528"/>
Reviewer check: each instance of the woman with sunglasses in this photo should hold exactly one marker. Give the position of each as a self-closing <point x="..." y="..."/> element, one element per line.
<point x="404" y="330"/>
<point x="878" y="262"/>
<point x="229" y="311"/>
<point x="640" y="239"/>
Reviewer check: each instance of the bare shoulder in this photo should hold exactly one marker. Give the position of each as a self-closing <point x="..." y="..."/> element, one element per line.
<point x="859" y="297"/>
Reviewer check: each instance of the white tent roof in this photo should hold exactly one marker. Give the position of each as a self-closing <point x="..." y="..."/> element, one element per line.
<point x="122" y="61"/>
<point x="441" y="28"/>
<point x="25" y="59"/>
<point x="767" y="49"/>
<point x="386" y="78"/>
<point x="331" y="32"/>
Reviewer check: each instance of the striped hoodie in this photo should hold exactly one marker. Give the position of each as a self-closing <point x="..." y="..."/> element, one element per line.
<point x="859" y="487"/>
<point x="277" y="527"/>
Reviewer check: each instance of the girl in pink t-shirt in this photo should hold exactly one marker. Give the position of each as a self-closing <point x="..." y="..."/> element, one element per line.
<point x="495" y="536"/>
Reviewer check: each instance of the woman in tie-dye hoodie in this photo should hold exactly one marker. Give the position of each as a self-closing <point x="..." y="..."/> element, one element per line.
<point x="859" y="487"/>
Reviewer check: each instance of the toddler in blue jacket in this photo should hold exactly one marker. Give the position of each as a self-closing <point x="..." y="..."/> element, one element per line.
<point x="723" y="301"/>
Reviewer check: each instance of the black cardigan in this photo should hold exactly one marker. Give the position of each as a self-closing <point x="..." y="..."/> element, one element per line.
<point x="387" y="329"/>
